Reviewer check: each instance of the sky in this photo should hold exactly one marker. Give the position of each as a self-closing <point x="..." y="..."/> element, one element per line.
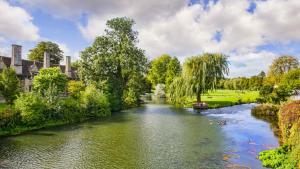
<point x="251" y="32"/>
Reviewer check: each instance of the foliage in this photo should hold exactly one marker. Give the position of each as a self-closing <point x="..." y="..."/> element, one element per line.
<point x="163" y="70"/>
<point x="133" y="90"/>
<point x="95" y="102"/>
<point x="200" y="74"/>
<point x="266" y="110"/>
<point x="9" y="85"/>
<point x="271" y="94"/>
<point x="32" y="108"/>
<point x="75" y="87"/>
<point x="281" y="66"/>
<point x="291" y="79"/>
<point x="289" y="119"/>
<point x="277" y="158"/>
<point x="114" y="60"/>
<point x="288" y="155"/>
<point x="173" y="70"/>
<point x="9" y="118"/>
<point x="49" y="77"/>
<point x="242" y="83"/>
<point x="70" y="110"/>
<point x="37" y="53"/>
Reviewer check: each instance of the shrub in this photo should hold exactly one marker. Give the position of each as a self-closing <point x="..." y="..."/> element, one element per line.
<point x="288" y="155"/>
<point x="265" y="109"/>
<point x="75" y="87"/>
<point x="276" y="95"/>
<point x="32" y="108"/>
<point x="130" y="99"/>
<point x="70" y="110"/>
<point x="9" y="85"/>
<point x="9" y="118"/>
<point x="289" y="120"/>
<point x="95" y="102"/>
<point x="277" y="158"/>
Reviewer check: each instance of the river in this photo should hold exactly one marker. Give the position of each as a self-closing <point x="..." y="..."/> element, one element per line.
<point x="155" y="136"/>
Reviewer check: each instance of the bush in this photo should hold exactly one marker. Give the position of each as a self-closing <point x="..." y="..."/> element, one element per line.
<point x="276" y="95"/>
<point x="289" y="121"/>
<point x="75" y="87"/>
<point x="9" y="85"/>
<point x="32" y="108"/>
<point x="95" y="102"/>
<point x="70" y="110"/>
<point x="265" y="109"/>
<point x="9" y="118"/>
<point x="277" y="158"/>
<point x="288" y="155"/>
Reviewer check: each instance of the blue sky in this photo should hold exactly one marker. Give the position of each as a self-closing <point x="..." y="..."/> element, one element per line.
<point x="249" y="31"/>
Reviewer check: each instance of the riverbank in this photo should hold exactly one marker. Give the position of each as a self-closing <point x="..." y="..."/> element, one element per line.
<point x="225" y="98"/>
<point x="215" y="99"/>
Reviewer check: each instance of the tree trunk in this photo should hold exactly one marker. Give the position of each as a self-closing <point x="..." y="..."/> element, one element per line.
<point x="198" y="97"/>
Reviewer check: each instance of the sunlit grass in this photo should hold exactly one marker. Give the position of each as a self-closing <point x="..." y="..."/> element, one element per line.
<point x="223" y="98"/>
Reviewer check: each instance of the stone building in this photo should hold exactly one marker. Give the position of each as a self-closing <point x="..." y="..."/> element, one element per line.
<point x="27" y="69"/>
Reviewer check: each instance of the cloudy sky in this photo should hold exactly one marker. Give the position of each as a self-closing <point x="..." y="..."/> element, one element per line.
<point x="251" y="32"/>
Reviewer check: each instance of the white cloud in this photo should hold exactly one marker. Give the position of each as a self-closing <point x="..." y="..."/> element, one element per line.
<point x="174" y="27"/>
<point x="16" y="23"/>
<point x="250" y="63"/>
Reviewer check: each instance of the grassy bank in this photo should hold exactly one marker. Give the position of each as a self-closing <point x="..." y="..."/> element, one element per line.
<point x="225" y="98"/>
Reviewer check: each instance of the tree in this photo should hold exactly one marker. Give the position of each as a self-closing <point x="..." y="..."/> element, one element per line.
<point x="158" y="70"/>
<point x="173" y="70"/>
<point x="280" y="66"/>
<point x="200" y="74"/>
<point x="9" y="85"/>
<point x="163" y="70"/>
<point x="50" y="78"/>
<point x="114" y="61"/>
<point x="37" y="53"/>
<point x="291" y="79"/>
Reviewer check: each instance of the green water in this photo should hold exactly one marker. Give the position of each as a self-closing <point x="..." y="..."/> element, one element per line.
<point x="153" y="136"/>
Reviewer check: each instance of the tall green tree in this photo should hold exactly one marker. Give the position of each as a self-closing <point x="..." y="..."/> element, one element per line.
<point x="200" y="74"/>
<point x="114" y="62"/>
<point x="173" y="71"/>
<point x="9" y="85"/>
<point x="163" y="70"/>
<point x="37" y="53"/>
<point x="281" y="66"/>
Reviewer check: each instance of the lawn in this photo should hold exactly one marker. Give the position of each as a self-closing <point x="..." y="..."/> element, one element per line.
<point x="223" y="98"/>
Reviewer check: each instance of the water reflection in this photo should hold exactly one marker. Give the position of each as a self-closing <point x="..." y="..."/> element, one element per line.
<point x="153" y="136"/>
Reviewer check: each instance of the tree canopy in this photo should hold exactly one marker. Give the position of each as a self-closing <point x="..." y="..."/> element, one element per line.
<point x="37" y="53"/>
<point x="115" y="63"/>
<point x="200" y="74"/>
<point x="50" y="78"/>
<point x="9" y="85"/>
<point x="163" y="70"/>
<point x="281" y="66"/>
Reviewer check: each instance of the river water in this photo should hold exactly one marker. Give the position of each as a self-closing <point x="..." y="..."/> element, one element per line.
<point x="155" y="136"/>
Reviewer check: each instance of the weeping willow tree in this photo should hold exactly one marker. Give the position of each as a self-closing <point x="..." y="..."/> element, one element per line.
<point x="200" y="74"/>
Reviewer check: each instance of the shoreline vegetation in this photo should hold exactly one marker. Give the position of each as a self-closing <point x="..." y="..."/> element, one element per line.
<point x="216" y="99"/>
